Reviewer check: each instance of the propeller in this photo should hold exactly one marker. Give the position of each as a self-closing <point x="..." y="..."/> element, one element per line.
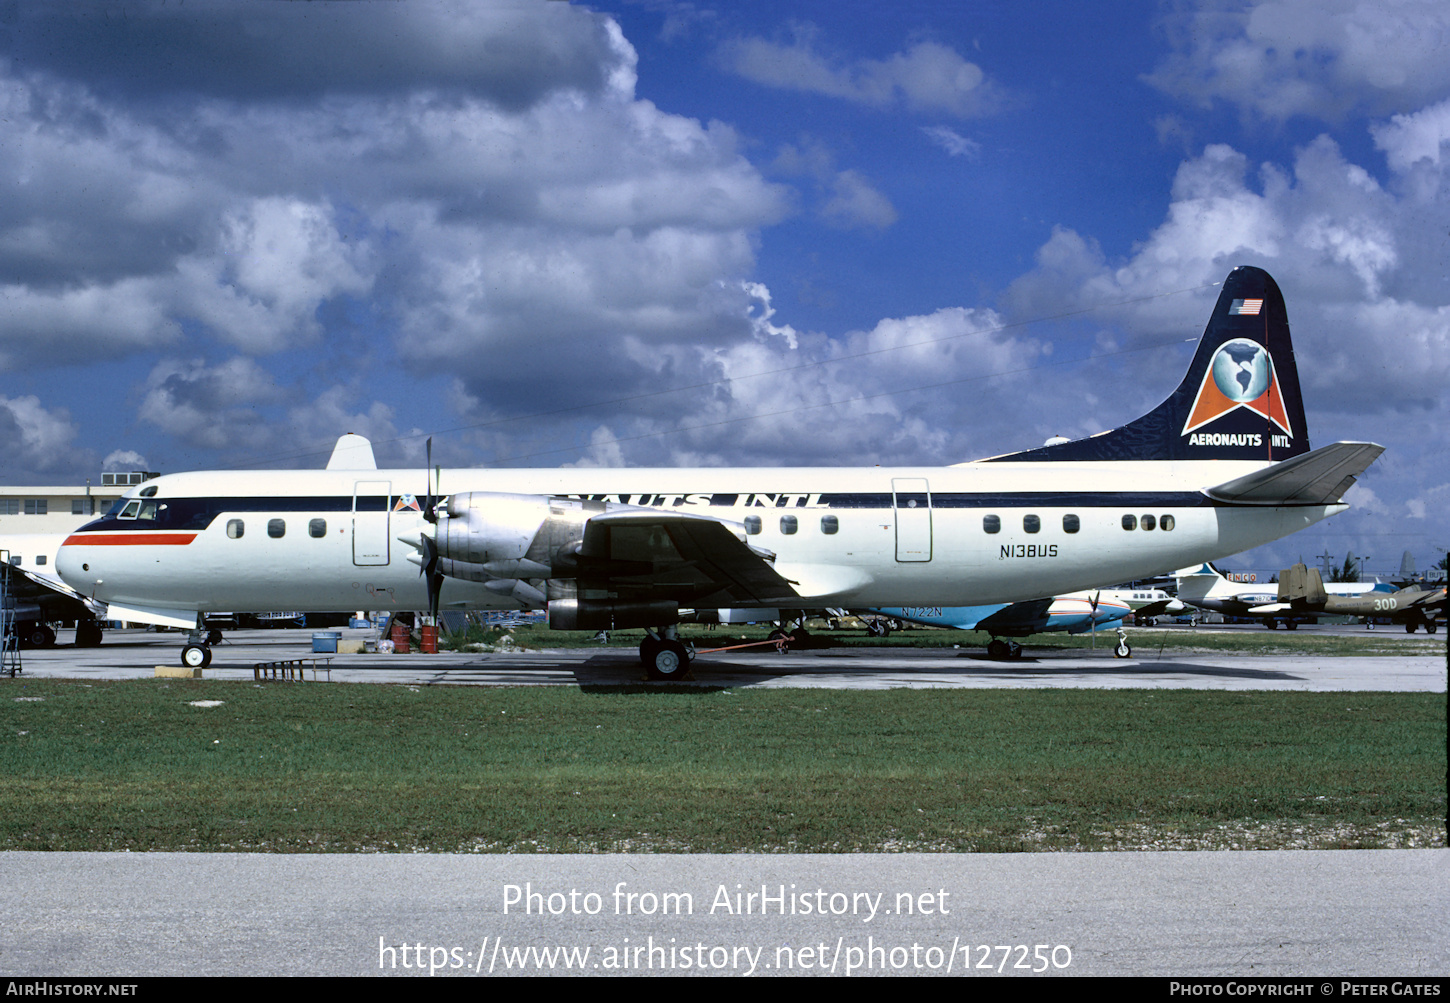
<point x="429" y="568"/>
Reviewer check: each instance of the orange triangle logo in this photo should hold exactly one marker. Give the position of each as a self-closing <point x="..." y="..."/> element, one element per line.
<point x="1239" y="368"/>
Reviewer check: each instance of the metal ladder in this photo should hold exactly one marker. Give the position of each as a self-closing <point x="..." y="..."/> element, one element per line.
<point x="9" y="639"/>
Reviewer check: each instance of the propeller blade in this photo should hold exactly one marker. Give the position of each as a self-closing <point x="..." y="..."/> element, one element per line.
<point x="430" y="506"/>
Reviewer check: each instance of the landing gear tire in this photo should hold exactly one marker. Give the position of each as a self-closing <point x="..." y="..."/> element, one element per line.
<point x="213" y="637"/>
<point x="1291" y="624"/>
<point x="196" y="656"/>
<point x="38" y="636"/>
<point x="647" y="649"/>
<point x="1430" y="628"/>
<point x="669" y="662"/>
<point x="1271" y="623"/>
<point x="1122" y="650"/>
<point x="878" y="628"/>
<point x="88" y="634"/>
<point x="998" y="649"/>
<point x="1369" y="625"/>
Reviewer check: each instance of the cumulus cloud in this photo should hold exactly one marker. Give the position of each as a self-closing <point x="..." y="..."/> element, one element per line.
<point x="843" y="199"/>
<point x="952" y="141"/>
<point x="926" y="77"/>
<point x="1319" y="58"/>
<point x="39" y="441"/>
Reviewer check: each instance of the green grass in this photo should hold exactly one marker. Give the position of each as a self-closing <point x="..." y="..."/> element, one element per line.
<point x="303" y="767"/>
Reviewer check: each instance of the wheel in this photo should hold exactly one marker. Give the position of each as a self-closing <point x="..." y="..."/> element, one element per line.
<point x="1122" y="650"/>
<point x="37" y="635"/>
<point x="669" y="662"/>
<point x="647" y="650"/>
<point x="1291" y="624"/>
<point x="1369" y="625"/>
<point x="997" y="648"/>
<point x="88" y="634"/>
<point x="1409" y="626"/>
<point x="213" y="636"/>
<point x="1271" y="623"/>
<point x="1014" y="650"/>
<point x="1430" y="628"/>
<point x="196" y="656"/>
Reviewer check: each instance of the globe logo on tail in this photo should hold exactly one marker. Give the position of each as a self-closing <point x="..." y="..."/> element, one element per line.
<point x="1240" y="375"/>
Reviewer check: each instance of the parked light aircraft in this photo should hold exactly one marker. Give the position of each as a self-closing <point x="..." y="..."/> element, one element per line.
<point x="1303" y="590"/>
<point x="38" y="597"/>
<point x="1074" y="612"/>
<point x="1205" y="588"/>
<point x="1222" y="465"/>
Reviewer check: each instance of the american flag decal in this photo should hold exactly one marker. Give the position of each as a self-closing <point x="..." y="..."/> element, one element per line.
<point x="1251" y="307"/>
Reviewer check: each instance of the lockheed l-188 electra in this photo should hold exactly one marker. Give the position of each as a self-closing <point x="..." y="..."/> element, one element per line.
<point x="1222" y="465"/>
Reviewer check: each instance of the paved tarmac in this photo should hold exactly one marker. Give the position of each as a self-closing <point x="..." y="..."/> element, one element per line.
<point x="1243" y="914"/>
<point x="135" y="655"/>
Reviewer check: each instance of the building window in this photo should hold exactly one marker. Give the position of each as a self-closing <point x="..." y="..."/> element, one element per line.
<point x="317" y="528"/>
<point x="1149" y="522"/>
<point x="788" y="524"/>
<point x="1130" y="522"/>
<point x="1031" y="524"/>
<point x="235" y="529"/>
<point x="992" y="523"/>
<point x="276" y="528"/>
<point x="9" y="506"/>
<point x="1165" y="523"/>
<point x="752" y="524"/>
<point x="830" y="525"/>
<point x="37" y="506"/>
<point x="1071" y="524"/>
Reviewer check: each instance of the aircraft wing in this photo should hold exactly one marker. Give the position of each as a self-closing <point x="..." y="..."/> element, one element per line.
<point x="1316" y="478"/>
<point x="696" y="560"/>
<point x="57" y="600"/>
<point x="1019" y="619"/>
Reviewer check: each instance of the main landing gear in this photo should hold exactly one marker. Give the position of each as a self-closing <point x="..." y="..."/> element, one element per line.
<point x="998" y="648"/>
<point x="663" y="655"/>
<point x="1122" y="648"/>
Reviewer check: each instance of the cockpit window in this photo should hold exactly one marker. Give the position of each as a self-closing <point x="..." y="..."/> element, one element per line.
<point x="132" y="509"/>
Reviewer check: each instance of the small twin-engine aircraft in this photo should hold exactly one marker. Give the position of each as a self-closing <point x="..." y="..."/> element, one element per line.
<point x="1302" y="589"/>
<point x="1206" y="588"/>
<point x="1075" y="613"/>
<point x="1222" y="465"/>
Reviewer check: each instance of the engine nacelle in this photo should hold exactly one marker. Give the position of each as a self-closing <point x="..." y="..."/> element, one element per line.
<point x="491" y="535"/>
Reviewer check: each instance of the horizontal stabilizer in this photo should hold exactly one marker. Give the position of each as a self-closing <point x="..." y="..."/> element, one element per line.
<point x="1317" y="478"/>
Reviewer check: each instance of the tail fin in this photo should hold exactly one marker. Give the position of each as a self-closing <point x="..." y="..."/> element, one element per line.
<point x="1239" y="401"/>
<point x="1301" y="582"/>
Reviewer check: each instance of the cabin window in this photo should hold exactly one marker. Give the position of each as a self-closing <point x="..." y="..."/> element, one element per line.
<point x="1130" y="522"/>
<point x="788" y="524"/>
<point x="1149" y="522"/>
<point x="992" y="524"/>
<point x="830" y="525"/>
<point x="1031" y="524"/>
<point x="752" y="524"/>
<point x="1165" y="523"/>
<point x="317" y="528"/>
<point x="276" y="528"/>
<point x="15" y="559"/>
<point x="40" y="560"/>
<point x="235" y="529"/>
<point x="1071" y="524"/>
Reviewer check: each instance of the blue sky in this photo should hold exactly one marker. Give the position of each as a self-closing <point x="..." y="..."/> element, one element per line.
<point x="664" y="233"/>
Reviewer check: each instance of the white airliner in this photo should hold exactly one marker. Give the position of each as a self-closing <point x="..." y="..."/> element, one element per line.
<point x="1222" y="465"/>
